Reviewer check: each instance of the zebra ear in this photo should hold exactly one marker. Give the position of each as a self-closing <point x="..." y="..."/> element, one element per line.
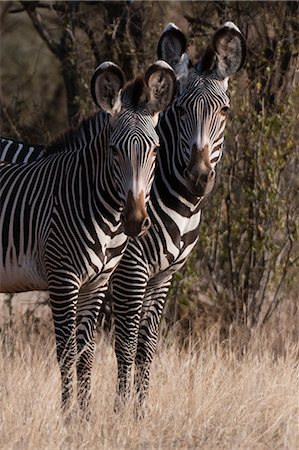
<point x="172" y="48"/>
<point x="229" y="48"/>
<point x="106" y="84"/>
<point x="162" y="86"/>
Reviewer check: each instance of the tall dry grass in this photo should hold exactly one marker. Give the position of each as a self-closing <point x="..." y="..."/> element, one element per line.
<point x="206" y="395"/>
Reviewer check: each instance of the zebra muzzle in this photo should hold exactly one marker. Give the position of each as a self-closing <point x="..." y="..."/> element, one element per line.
<point x="135" y="217"/>
<point x="199" y="175"/>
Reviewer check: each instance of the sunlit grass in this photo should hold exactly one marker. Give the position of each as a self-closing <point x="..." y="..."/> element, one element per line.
<point x="205" y="396"/>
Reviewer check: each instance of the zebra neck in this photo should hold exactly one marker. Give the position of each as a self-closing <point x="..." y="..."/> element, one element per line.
<point x="92" y="183"/>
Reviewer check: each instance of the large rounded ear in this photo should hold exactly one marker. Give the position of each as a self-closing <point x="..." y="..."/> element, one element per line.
<point x="162" y="86"/>
<point x="230" y="50"/>
<point x="106" y="84"/>
<point x="172" y="48"/>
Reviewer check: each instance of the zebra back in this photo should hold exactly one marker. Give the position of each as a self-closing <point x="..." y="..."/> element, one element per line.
<point x="15" y="151"/>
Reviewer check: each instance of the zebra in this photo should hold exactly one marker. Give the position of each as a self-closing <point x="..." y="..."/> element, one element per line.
<point x="65" y="218"/>
<point x="191" y="137"/>
<point x="19" y="152"/>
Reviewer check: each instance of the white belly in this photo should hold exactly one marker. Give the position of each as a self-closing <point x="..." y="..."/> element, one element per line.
<point x="21" y="277"/>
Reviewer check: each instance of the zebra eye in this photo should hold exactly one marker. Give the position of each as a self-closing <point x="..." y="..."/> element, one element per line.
<point x="224" y="111"/>
<point x="155" y="149"/>
<point x="114" y="150"/>
<point x="181" y="110"/>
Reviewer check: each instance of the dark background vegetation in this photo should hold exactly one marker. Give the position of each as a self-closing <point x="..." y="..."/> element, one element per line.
<point x="244" y="268"/>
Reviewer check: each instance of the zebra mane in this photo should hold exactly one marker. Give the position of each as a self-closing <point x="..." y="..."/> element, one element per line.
<point x="67" y="140"/>
<point x="135" y="92"/>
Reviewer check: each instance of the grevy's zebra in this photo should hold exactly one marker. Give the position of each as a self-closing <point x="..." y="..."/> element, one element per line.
<point x="191" y="136"/>
<point x="61" y="216"/>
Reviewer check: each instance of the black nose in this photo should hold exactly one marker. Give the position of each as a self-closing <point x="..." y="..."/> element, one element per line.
<point x="206" y="177"/>
<point x="135" y="227"/>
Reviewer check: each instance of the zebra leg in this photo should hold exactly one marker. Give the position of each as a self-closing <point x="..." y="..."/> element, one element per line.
<point x="89" y="304"/>
<point x="128" y="291"/>
<point x="63" y="301"/>
<point x="153" y="304"/>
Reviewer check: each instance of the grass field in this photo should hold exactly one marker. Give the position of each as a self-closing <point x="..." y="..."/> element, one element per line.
<point x="204" y="396"/>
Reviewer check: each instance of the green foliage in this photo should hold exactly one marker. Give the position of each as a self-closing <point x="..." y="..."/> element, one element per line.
<point x="245" y="262"/>
<point x="247" y="253"/>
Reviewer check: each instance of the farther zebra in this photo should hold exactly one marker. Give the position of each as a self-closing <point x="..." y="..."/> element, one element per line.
<point x="61" y="216"/>
<point x="19" y="152"/>
<point x="191" y="137"/>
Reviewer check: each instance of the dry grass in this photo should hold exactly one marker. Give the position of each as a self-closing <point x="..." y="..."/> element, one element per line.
<point x="206" y="396"/>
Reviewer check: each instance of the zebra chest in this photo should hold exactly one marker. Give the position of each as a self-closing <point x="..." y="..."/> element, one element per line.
<point x="101" y="266"/>
<point x="176" y="241"/>
<point x="176" y="259"/>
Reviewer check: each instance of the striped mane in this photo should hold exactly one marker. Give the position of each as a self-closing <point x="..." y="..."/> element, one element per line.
<point x="69" y="139"/>
<point x="135" y="92"/>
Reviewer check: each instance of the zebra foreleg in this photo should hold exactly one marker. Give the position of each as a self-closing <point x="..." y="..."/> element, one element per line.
<point x="63" y="304"/>
<point x="153" y="304"/>
<point x="89" y="304"/>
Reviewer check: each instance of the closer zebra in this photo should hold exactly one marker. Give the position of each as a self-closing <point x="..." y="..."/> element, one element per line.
<point x="20" y="152"/>
<point x="191" y="136"/>
<point x="61" y="215"/>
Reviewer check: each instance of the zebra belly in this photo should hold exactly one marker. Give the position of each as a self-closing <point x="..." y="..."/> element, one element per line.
<point x="22" y="276"/>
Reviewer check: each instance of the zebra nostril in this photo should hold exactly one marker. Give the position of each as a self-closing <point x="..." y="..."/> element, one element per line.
<point x="186" y="173"/>
<point x="204" y="178"/>
<point x="146" y="223"/>
<point x="211" y="174"/>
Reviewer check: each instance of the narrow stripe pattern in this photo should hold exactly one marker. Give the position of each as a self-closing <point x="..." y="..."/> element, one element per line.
<point x="19" y="152"/>
<point x="141" y="281"/>
<point x="61" y="226"/>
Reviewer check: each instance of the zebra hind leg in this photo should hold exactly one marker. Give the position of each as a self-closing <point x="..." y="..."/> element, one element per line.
<point x="64" y="316"/>
<point x="89" y="304"/>
<point x="153" y="304"/>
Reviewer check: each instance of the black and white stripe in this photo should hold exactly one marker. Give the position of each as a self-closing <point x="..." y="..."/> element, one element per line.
<point x="61" y="215"/>
<point x="19" y="152"/>
<point x="191" y="136"/>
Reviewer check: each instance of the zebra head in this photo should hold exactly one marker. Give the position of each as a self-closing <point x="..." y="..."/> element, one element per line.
<point x="134" y="110"/>
<point x="203" y="104"/>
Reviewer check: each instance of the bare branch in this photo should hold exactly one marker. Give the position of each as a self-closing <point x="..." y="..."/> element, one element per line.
<point x="90" y="34"/>
<point x="55" y="7"/>
<point x="41" y="29"/>
<point x="9" y="120"/>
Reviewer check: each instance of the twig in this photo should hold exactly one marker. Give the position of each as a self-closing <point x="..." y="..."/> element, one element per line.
<point x="90" y="34"/>
<point x="39" y="5"/>
<point x="41" y="29"/>
<point x="7" y="117"/>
